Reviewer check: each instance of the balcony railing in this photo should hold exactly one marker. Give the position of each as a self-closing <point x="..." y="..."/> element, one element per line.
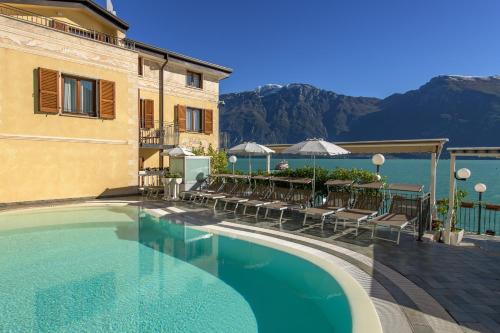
<point x="477" y="216"/>
<point x="37" y="19"/>
<point x="160" y="136"/>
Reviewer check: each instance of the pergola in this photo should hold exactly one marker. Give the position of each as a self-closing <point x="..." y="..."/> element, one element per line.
<point x="488" y="152"/>
<point x="433" y="147"/>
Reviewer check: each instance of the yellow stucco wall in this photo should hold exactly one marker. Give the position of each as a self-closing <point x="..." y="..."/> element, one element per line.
<point x="47" y="157"/>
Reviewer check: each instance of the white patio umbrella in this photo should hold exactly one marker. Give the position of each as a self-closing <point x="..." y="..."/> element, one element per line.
<point x="250" y="149"/>
<point x="315" y="147"/>
<point x="178" y="151"/>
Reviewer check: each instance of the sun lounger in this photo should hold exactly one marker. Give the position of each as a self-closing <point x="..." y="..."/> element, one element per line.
<point x="270" y="194"/>
<point x="213" y="186"/>
<point x="338" y="199"/>
<point x="398" y="217"/>
<point x="366" y="205"/>
<point x="297" y="199"/>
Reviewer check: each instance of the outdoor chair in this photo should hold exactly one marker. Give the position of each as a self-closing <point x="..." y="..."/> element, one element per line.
<point x="264" y="196"/>
<point x="338" y="199"/>
<point x="241" y="194"/>
<point x="402" y="212"/>
<point x="297" y="199"/>
<point x="367" y="203"/>
<point x="213" y="184"/>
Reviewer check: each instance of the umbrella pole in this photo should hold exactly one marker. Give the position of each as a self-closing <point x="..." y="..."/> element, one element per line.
<point x="314" y="177"/>
<point x="250" y="164"/>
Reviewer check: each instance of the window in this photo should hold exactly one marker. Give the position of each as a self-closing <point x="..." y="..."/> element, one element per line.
<point x="140" y="66"/>
<point x="79" y="96"/>
<point x="193" y="120"/>
<point x="194" y="80"/>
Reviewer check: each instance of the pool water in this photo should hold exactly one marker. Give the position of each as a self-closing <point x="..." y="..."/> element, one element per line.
<point x="119" y="269"/>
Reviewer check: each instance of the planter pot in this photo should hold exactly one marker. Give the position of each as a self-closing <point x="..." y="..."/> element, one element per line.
<point x="167" y="180"/>
<point x="178" y="181"/>
<point x="453" y="237"/>
<point x="437" y="235"/>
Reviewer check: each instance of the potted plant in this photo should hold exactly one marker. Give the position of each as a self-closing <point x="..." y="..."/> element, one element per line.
<point x="437" y="229"/>
<point x="455" y="235"/>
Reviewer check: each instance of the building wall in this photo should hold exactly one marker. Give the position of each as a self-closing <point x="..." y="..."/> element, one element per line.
<point x="176" y="92"/>
<point x="54" y="156"/>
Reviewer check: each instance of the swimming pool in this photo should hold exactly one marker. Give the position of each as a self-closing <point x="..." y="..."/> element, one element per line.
<point x="101" y="269"/>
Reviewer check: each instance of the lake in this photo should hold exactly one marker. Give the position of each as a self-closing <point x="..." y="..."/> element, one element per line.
<point x="415" y="171"/>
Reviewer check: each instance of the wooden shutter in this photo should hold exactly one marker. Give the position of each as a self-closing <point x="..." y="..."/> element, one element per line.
<point x="208" y="121"/>
<point x="48" y="90"/>
<point x="149" y="113"/>
<point x="106" y="99"/>
<point x="180" y="116"/>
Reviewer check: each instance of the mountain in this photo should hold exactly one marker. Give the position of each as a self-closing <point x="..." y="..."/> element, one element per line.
<point x="464" y="109"/>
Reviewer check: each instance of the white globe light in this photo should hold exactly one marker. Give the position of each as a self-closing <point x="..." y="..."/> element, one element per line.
<point x="378" y="177"/>
<point x="233" y="159"/>
<point x="463" y="173"/>
<point x="378" y="159"/>
<point x="480" y="188"/>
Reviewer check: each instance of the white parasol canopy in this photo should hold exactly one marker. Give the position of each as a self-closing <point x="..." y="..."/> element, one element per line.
<point x="250" y="149"/>
<point x="178" y="151"/>
<point x="315" y="147"/>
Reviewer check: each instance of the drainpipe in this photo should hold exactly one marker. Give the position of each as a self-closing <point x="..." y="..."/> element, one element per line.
<point x="160" y="109"/>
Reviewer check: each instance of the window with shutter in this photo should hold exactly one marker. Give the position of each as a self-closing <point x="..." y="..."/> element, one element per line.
<point x="106" y="99"/>
<point x="147" y="113"/>
<point x="208" y="122"/>
<point x="180" y="116"/>
<point x="48" y="90"/>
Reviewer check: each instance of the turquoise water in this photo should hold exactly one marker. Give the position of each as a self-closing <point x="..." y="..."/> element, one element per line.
<point x="121" y="270"/>
<point x="415" y="171"/>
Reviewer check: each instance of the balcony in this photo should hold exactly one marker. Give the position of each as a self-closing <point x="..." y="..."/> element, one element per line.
<point x="162" y="135"/>
<point x="33" y="18"/>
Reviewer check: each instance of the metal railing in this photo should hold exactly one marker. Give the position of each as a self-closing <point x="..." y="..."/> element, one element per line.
<point x="162" y="134"/>
<point x="477" y="217"/>
<point x="72" y="29"/>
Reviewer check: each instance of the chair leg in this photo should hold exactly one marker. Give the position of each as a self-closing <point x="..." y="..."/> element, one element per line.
<point x="305" y="218"/>
<point x="245" y="209"/>
<point x="335" y="227"/>
<point x="256" y="211"/>
<point x="399" y="235"/>
<point x="373" y="230"/>
<point x="236" y="207"/>
<point x="322" y="222"/>
<point x="357" y="229"/>
<point x="267" y="212"/>
<point x="281" y="217"/>
<point x="215" y="203"/>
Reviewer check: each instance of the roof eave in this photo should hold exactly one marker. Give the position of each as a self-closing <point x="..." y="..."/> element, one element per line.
<point x="178" y="56"/>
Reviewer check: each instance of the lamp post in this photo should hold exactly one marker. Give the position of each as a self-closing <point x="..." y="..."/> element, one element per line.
<point x="378" y="160"/>
<point x="462" y="174"/>
<point x="233" y="159"/>
<point x="480" y="188"/>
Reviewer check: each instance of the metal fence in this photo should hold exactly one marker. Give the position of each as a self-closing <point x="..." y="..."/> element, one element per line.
<point x="159" y="135"/>
<point x="72" y="29"/>
<point x="477" y="217"/>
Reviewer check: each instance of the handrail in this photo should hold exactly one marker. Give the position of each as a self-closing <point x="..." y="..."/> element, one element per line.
<point x="27" y="16"/>
<point x="162" y="133"/>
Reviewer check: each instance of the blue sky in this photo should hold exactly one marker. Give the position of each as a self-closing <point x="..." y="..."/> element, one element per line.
<point x="354" y="47"/>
